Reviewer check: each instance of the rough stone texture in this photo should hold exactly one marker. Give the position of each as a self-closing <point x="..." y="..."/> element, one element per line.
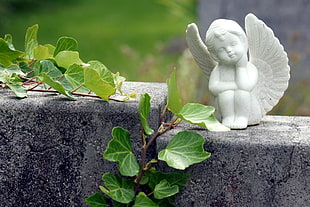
<point x="263" y="166"/>
<point x="51" y="148"/>
<point x="288" y="19"/>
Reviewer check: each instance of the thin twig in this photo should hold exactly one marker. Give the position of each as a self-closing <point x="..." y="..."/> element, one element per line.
<point x="162" y="116"/>
<point x="31" y="89"/>
<point x="78" y="88"/>
<point x="32" y="63"/>
<point x="145" y="168"/>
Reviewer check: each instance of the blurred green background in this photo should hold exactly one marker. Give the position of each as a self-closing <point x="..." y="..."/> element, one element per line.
<point x="142" y="39"/>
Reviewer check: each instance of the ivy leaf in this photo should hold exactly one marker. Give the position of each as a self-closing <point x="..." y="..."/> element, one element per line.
<point x="117" y="188"/>
<point x="118" y="204"/>
<point x="104" y="72"/>
<point x="201" y="115"/>
<point x="164" y="190"/>
<point x="75" y="76"/>
<point x="143" y="201"/>
<point x="56" y="85"/>
<point x="51" y="48"/>
<point x="96" y="200"/>
<point x="166" y="202"/>
<point x="41" y="52"/>
<point x="47" y="67"/>
<point x="66" y="44"/>
<point x="14" y="69"/>
<point x="120" y="150"/>
<point x="178" y="179"/>
<point x="174" y="102"/>
<point x="4" y="78"/>
<point x="144" y="111"/>
<point x="18" y="89"/>
<point x="9" y="39"/>
<point x="66" y="58"/>
<point x="184" y="149"/>
<point x="10" y="76"/>
<point x="31" y="41"/>
<point x="7" y="55"/>
<point x="94" y="82"/>
<point x="119" y="80"/>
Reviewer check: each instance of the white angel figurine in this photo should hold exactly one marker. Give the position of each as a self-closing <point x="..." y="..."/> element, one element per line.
<point x="244" y="90"/>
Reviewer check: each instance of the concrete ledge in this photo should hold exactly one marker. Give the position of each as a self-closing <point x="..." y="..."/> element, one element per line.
<point x="51" y="148"/>
<point x="264" y="165"/>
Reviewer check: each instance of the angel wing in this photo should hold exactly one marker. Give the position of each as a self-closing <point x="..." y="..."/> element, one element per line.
<point x="271" y="61"/>
<point x="199" y="50"/>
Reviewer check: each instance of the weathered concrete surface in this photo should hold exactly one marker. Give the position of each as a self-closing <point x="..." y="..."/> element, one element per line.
<point x="264" y="165"/>
<point x="51" y="148"/>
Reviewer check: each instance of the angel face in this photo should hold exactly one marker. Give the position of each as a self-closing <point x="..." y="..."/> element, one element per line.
<point x="228" y="48"/>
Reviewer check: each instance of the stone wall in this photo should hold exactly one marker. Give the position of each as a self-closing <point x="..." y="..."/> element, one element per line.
<point x="51" y="148"/>
<point x="51" y="153"/>
<point x="263" y="166"/>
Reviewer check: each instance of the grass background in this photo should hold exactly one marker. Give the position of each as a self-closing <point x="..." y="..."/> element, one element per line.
<point x="142" y="39"/>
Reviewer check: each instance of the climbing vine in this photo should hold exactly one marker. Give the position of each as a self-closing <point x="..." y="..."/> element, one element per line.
<point x="49" y="68"/>
<point x="59" y="69"/>
<point x="141" y="184"/>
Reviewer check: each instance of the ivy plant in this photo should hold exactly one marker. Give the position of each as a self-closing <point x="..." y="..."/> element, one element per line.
<point x="140" y="184"/>
<point x="49" y="68"/>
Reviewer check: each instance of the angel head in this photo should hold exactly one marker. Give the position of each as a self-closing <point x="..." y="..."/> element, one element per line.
<point x="226" y="41"/>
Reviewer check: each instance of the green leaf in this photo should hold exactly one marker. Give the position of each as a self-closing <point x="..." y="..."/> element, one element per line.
<point x="174" y="102"/>
<point x="144" y="180"/>
<point x="164" y="190"/>
<point x="94" y="82"/>
<point x="18" y="89"/>
<point x="75" y="76"/>
<point x="51" y="48"/>
<point x="25" y="69"/>
<point x="66" y="44"/>
<point x="56" y="85"/>
<point x="104" y="72"/>
<point x="117" y="188"/>
<point x="143" y="201"/>
<point x="41" y="52"/>
<point x="166" y="202"/>
<point x="118" y="204"/>
<point x="96" y="200"/>
<point x="144" y="111"/>
<point x="120" y="150"/>
<point x="184" y="149"/>
<point x="119" y="80"/>
<point x="9" y="39"/>
<point x="31" y="41"/>
<point x="7" y="55"/>
<point x="4" y="78"/>
<point x="14" y="69"/>
<point x="201" y="115"/>
<point x="46" y="66"/>
<point x="66" y="58"/>
<point x="178" y="179"/>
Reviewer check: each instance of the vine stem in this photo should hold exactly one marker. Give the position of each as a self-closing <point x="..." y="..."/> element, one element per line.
<point x="31" y="64"/>
<point x="33" y="88"/>
<point x="73" y="93"/>
<point x="159" y="132"/>
<point x="78" y="88"/>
